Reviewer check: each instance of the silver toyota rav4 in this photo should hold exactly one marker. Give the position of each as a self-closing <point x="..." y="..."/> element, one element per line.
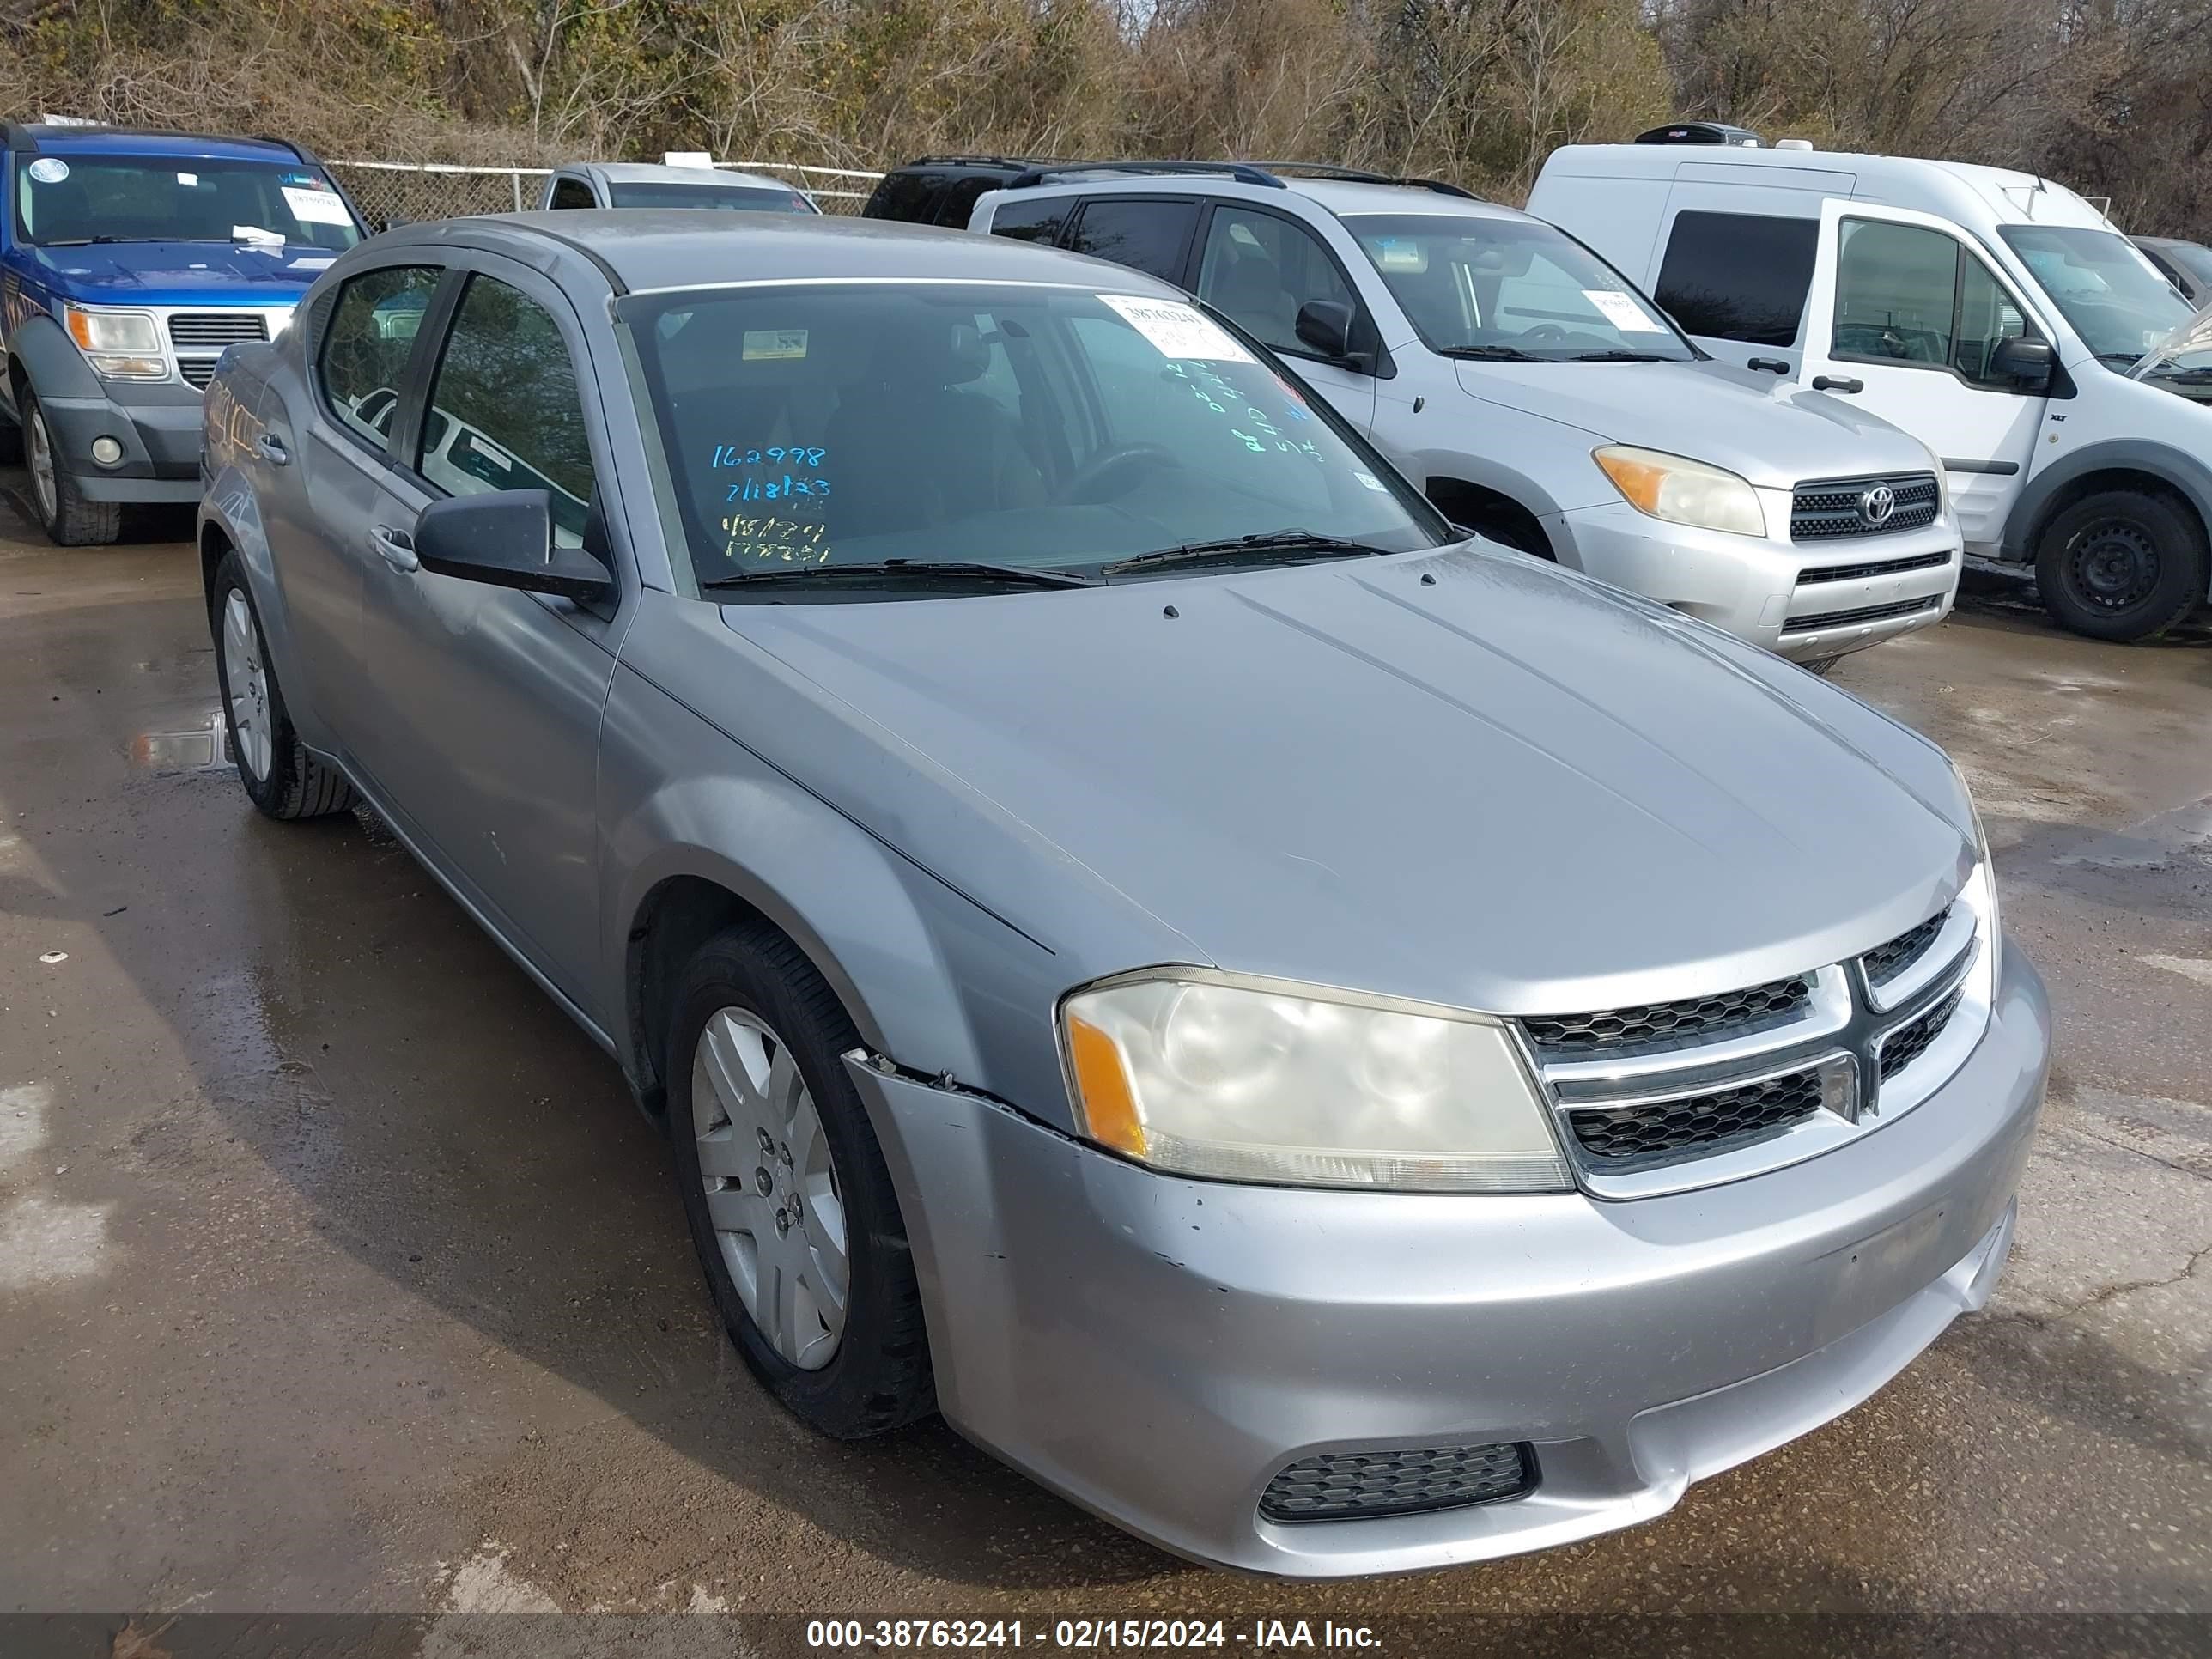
<point x="1339" y="1047"/>
<point x="1536" y="394"/>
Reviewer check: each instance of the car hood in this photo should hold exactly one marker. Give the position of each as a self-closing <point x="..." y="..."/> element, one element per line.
<point x="1771" y="431"/>
<point x="1512" y="789"/>
<point x="183" y="273"/>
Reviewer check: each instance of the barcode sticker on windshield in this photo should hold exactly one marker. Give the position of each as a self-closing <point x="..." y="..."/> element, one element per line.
<point x="316" y="207"/>
<point x="1179" y="329"/>
<point x="770" y="345"/>
<point x="1623" y="313"/>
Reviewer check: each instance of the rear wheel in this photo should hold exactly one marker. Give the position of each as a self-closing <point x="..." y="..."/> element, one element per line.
<point x="68" y="518"/>
<point x="790" y="1204"/>
<point x="281" y="777"/>
<point x="2122" y="564"/>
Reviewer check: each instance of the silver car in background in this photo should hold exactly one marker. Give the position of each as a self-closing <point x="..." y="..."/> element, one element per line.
<point x="1336" y="1045"/>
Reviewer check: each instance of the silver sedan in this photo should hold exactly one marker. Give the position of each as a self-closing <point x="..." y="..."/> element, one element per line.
<point x="1337" y="1047"/>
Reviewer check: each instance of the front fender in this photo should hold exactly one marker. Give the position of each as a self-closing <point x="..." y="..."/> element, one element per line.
<point x="934" y="983"/>
<point x="2175" y="466"/>
<point x="56" y="368"/>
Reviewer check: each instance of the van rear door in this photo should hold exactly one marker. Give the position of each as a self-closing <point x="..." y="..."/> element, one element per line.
<point x="1904" y="319"/>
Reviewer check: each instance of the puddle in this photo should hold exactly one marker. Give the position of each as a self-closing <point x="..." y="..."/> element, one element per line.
<point x="197" y="749"/>
<point x="2151" y="844"/>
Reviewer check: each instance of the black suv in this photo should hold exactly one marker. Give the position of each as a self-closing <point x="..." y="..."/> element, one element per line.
<point x="939" y="190"/>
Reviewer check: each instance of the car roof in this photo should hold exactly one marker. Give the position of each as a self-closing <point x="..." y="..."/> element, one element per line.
<point x="146" y="141"/>
<point x="637" y="172"/>
<point x="1343" y="197"/>
<point x="648" y="248"/>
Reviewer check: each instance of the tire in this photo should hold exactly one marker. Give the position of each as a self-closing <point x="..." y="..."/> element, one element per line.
<point x="11" y="443"/>
<point x="2122" y="564"/>
<point x="759" y="994"/>
<point x="1823" y="666"/>
<point x="68" y="518"/>
<point x="281" y="777"/>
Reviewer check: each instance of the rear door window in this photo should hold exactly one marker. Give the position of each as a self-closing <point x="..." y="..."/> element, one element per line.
<point x="1739" y="275"/>
<point x="365" y="349"/>
<point x="1036" y="221"/>
<point x="1151" y="236"/>
<point x="572" y="193"/>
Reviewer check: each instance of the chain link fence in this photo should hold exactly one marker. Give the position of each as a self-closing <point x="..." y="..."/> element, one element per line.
<point x="408" y="190"/>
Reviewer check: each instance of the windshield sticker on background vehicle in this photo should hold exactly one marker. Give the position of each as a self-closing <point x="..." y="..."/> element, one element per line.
<point x="784" y="541"/>
<point x="774" y="344"/>
<point x="1178" y="330"/>
<point x="189" y="180"/>
<point x="48" y="170"/>
<point x="1623" y="313"/>
<point x="316" y="207"/>
<point x="305" y="180"/>
<point x="1391" y="254"/>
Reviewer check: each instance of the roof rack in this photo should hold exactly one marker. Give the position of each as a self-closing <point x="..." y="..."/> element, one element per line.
<point x="1346" y="175"/>
<point x="1244" y="172"/>
<point x="1015" y="162"/>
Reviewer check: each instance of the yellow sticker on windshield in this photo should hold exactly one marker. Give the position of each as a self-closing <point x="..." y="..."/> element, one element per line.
<point x="770" y="344"/>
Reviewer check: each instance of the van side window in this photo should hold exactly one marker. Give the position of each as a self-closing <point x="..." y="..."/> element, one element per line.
<point x="572" y="193"/>
<point x="1034" y="220"/>
<point x="1907" y="295"/>
<point x="1739" y="275"/>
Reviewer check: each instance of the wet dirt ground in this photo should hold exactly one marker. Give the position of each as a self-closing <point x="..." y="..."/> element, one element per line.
<point x="338" y="1272"/>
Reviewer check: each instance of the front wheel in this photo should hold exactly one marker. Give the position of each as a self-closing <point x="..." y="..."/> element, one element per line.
<point x="69" y="519"/>
<point x="2122" y="564"/>
<point x="790" y="1203"/>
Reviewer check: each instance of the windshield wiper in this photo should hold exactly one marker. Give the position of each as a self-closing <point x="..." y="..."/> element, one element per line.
<point x="1623" y="357"/>
<point x="956" y="569"/>
<point x="1495" y="354"/>
<point x="1229" y="549"/>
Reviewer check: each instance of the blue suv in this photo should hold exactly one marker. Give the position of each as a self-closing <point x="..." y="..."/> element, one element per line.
<point x="129" y="260"/>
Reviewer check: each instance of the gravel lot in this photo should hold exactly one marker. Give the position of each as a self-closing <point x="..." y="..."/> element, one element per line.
<point x="337" y="1272"/>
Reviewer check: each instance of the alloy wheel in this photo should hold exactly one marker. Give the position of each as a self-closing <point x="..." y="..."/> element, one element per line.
<point x="771" y="1185"/>
<point x="40" y="455"/>
<point x="245" y="686"/>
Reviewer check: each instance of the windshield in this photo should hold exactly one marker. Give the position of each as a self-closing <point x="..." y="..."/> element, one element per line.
<point x="126" y="199"/>
<point x="1048" y="429"/>
<point x="752" y="198"/>
<point x="1512" y="289"/>
<point x="2115" y="298"/>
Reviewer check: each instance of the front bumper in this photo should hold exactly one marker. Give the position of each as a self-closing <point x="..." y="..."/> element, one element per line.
<point x="157" y="424"/>
<point x="1157" y="1349"/>
<point x="1767" y="590"/>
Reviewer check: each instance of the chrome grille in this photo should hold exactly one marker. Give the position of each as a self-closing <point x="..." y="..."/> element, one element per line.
<point x="1355" y="1485"/>
<point x="1886" y="962"/>
<point x="1852" y="573"/>
<point x="1902" y="1048"/>
<point x="1664" y="1096"/>
<point x="1638" y="1133"/>
<point x="1870" y="613"/>
<point x="1647" y="1024"/>
<point x="204" y="331"/>
<point x="1831" y="507"/>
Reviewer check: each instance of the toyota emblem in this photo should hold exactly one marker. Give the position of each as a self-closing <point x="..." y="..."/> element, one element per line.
<point x="1877" y="505"/>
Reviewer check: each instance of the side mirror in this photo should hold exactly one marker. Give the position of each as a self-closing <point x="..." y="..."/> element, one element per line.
<point x="2027" y="363"/>
<point x="394" y="222"/>
<point x="1326" y="325"/>
<point x="505" y="539"/>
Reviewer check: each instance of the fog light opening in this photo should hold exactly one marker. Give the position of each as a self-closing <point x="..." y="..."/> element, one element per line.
<point x="106" y="451"/>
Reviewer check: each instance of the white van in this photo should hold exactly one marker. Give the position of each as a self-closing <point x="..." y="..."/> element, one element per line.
<point x="1997" y="316"/>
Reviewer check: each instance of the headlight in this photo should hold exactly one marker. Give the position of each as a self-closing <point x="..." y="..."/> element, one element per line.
<point x="122" y="345"/>
<point x="1683" y="491"/>
<point x="1981" y="895"/>
<point x="1196" y="1073"/>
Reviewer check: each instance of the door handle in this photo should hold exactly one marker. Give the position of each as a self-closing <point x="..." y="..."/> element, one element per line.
<point x="395" y="548"/>
<point x="1771" y="365"/>
<point x="1837" y="383"/>
<point x="272" y="449"/>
